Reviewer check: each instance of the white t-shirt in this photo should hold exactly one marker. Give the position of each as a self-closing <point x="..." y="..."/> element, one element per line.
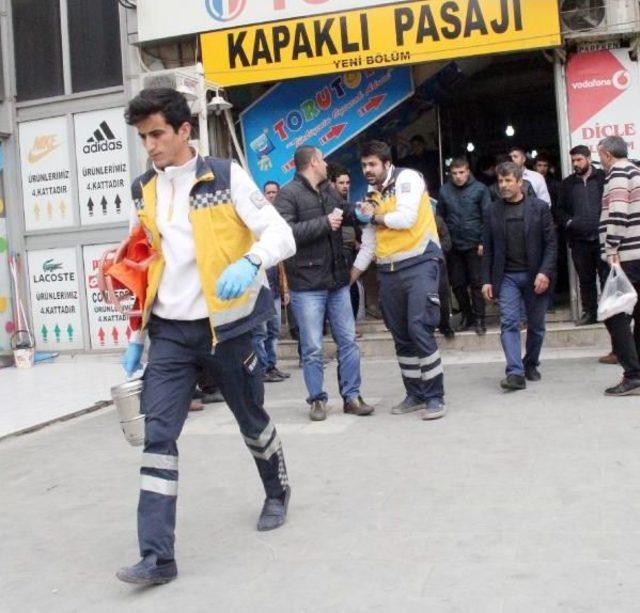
<point x="180" y="293"/>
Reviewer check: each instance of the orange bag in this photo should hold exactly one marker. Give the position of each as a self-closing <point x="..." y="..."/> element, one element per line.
<point x="125" y="268"/>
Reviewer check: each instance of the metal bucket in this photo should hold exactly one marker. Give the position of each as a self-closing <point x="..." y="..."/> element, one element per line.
<point x="126" y="398"/>
<point x="24" y="348"/>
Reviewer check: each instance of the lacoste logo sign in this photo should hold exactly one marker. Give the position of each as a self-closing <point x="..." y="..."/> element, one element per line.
<point x="50" y="266"/>
<point x="103" y="139"/>
<point x="42" y="146"/>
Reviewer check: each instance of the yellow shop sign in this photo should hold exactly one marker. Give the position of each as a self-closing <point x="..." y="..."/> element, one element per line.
<point x="399" y="33"/>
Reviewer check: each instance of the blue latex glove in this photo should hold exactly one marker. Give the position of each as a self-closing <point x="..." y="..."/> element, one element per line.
<point x="361" y="217"/>
<point x="131" y="360"/>
<point x="235" y="279"/>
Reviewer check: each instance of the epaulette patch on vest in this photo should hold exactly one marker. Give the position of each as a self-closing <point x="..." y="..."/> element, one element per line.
<point x="204" y="201"/>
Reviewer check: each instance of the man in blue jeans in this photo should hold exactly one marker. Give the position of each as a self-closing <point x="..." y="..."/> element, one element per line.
<point x="519" y="263"/>
<point x="319" y="281"/>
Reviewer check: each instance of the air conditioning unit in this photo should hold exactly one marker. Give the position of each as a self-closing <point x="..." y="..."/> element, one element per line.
<point x="588" y="19"/>
<point x="185" y="80"/>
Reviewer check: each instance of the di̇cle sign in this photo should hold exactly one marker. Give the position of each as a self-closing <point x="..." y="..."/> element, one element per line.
<point x="401" y="33"/>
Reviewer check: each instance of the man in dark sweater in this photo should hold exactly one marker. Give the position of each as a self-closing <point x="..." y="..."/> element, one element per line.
<point x="462" y="204"/>
<point x="578" y="213"/>
<point x="519" y="262"/>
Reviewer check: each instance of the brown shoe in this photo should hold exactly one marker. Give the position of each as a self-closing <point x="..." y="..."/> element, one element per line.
<point x="610" y="358"/>
<point x="357" y="406"/>
<point x="196" y="405"/>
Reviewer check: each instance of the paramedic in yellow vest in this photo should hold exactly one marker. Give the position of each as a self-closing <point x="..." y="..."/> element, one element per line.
<point x="401" y="234"/>
<point x="215" y="234"/>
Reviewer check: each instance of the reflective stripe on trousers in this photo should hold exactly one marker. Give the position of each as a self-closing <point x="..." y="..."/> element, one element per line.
<point x="411" y="311"/>
<point x="179" y="351"/>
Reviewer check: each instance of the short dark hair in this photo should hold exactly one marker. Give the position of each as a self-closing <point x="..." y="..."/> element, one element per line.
<point x="418" y="138"/>
<point x="581" y="150"/>
<point x="518" y="148"/>
<point x="337" y="170"/>
<point x="172" y="104"/>
<point x="616" y="146"/>
<point x="376" y="148"/>
<point x="509" y="168"/>
<point x="543" y="157"/>
<point x="303" y="155"/>
<point x="267" y="183"/>
<point x="459" y="162"/>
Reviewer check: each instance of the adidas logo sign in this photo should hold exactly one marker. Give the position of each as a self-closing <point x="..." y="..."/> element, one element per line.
<point x="103" y="139"/>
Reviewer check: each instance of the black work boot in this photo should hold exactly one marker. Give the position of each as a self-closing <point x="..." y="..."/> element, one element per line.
<point x="149" y="571"/>
<point x="481" y="328"/>
<point x="531" y="373"/>
<point x="274" y="511"/>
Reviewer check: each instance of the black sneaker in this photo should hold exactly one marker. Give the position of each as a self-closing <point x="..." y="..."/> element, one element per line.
<point x="481" y="329"/>
<point x="149" y="571"/>
<point x="587" y="319"/>
<point x="513" y="383"/>
<point x="531" y="373"/>
<point x="448" y="332"/>
<point x="465" y="325"/>
<point x="626" y="387"/>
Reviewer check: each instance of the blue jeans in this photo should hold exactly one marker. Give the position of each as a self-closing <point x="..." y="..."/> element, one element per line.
<point x="309" y="309"/>
<point x="517" y="287"/>
<point x="265" y="338"/>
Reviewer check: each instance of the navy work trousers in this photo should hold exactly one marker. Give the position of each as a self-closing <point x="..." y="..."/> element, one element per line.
<point x="411" y="311"/>
<point x="179" y="351"/>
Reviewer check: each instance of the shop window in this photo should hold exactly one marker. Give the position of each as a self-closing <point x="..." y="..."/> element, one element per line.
<point x="94" y="43"/>
<point x="38" y="48"/>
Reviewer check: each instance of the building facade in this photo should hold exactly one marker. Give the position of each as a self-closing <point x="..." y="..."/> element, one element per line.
<point x="319" y="71"/>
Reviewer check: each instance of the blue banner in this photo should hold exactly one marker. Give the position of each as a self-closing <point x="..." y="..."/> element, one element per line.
<point x="325" y="112"/>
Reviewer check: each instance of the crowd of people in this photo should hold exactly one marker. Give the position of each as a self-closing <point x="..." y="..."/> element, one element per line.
<point x="229" y="255"/>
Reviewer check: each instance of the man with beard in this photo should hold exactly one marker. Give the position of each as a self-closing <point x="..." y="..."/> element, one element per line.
<point x="401" y="232"/>
<point x="578" y="213"/>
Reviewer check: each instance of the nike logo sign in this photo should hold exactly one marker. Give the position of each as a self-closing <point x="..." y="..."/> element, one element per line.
<point x="41" y="150"/>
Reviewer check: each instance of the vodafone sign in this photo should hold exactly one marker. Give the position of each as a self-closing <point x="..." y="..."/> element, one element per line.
<point x="180" y="17"/>
<point x="603" y="89"/>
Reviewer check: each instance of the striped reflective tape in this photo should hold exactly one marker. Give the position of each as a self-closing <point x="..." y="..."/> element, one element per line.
<point x="263" y="439"/>
<point x="433" y="373"/>
<point x="159" y="460"/>
<point x="158" y="485"/>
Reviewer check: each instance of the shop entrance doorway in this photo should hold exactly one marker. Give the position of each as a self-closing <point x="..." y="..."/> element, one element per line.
<point x="478" y="108"/>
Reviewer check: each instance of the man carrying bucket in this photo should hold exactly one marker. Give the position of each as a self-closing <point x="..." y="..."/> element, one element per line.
<point x="206" y="291"/>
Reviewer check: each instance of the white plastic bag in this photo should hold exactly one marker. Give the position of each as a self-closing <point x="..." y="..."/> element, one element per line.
<point x="618" y="295"/>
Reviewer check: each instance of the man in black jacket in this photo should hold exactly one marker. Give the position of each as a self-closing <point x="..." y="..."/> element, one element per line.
<point x="578" y="212"/>
<point x="319" y="281"/>
<point x="520" y="252"/>
<point x="462" y="203"/>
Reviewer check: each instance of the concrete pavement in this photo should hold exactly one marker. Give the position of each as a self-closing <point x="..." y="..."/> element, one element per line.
<point x="513" y="502"/>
